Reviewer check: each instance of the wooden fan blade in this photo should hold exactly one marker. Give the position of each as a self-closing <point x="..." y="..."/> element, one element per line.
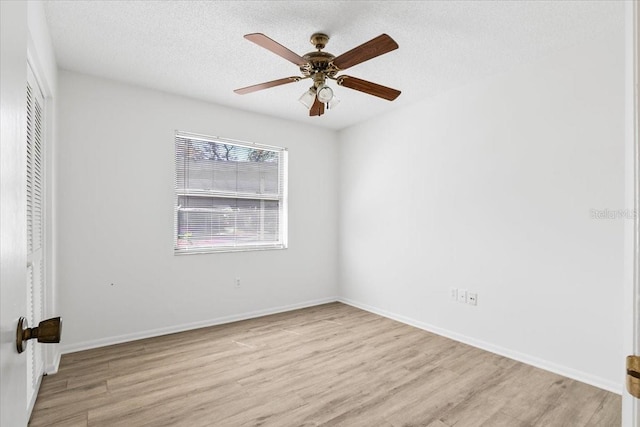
<point x="275" y="47"/>
<point x="266" y="85"/>
<point x="317" y="109"/>
<point x="374" y="47"/>
<point x="369" y="87"/>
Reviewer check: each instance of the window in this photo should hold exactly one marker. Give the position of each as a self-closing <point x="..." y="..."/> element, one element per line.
<point x="230" y="195"/>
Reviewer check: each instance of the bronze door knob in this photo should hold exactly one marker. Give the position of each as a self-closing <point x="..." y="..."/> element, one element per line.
<point x="47" y="331"/>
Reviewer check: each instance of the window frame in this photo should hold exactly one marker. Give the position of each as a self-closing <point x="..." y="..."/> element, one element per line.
<point x="281" y="197"/>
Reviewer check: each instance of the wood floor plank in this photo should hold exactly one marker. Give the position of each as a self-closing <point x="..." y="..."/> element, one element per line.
<point x="575" y="407"/>
<point x="75" y="421"/>
<point x="500" y="419"/>
<point x="61" y="398"/>
<point x="473" y="409"/>
<point x="534" y="393"/>
<point x="63" y="414"/>
<point x="428" y="407"/>
<point x="608" y="413"/>
<point x="330" y="365"/>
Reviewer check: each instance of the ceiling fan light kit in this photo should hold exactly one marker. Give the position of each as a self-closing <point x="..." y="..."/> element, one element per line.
<point x="321" y="66"/>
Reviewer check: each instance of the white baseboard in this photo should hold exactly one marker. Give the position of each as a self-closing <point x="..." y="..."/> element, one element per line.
<point x="52" y="367"/>
<point x="102" y="342"/>
<point x="32" y="400"/>
<point x="511" y="354"/>
<point x="502" y="351"/>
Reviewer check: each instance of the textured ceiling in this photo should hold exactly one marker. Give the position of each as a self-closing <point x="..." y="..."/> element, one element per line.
<point x="197" y="49"/>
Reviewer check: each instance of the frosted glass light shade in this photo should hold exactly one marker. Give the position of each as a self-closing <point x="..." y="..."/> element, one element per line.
<point x="308" y="98"/>
<point x="325" y="93"/>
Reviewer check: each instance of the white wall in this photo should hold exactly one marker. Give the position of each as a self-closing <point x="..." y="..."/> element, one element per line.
<point x="107" y="130"/>
<point x="41" y="53"/>
<point x="489" y="188"/>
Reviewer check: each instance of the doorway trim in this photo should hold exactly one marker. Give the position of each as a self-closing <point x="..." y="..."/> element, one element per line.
<point x="46" y="82"/>
<point x="631" y="405"/>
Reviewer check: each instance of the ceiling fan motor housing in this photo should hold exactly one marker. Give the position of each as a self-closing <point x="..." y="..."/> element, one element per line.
<point x="318" y="62"/>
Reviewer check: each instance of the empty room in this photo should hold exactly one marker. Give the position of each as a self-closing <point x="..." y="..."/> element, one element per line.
<point x="319" y="213"/>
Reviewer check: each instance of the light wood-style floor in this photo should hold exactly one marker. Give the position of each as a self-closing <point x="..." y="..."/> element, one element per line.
<point x="329" y="365"/>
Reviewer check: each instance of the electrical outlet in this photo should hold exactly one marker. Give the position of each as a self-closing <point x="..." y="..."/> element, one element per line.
<point x="453" y="294"/>
<point x="237" y="282"/>
<point x="462" y="295"/>
<point x="472" y="298"/>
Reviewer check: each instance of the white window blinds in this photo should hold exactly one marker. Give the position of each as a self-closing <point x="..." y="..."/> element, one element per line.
<point x="230" y="195"/>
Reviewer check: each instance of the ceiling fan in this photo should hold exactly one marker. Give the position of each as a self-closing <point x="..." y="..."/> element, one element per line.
<point x="321" y="66"/>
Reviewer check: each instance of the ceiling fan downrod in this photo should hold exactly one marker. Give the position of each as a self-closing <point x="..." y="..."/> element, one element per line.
<point x="319" y="40"/>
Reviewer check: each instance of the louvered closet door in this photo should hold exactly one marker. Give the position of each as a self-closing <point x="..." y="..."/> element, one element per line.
<point x="35" y="234"/>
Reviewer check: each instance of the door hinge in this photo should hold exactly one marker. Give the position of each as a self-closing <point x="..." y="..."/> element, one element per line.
<point x="633" y="376"/>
